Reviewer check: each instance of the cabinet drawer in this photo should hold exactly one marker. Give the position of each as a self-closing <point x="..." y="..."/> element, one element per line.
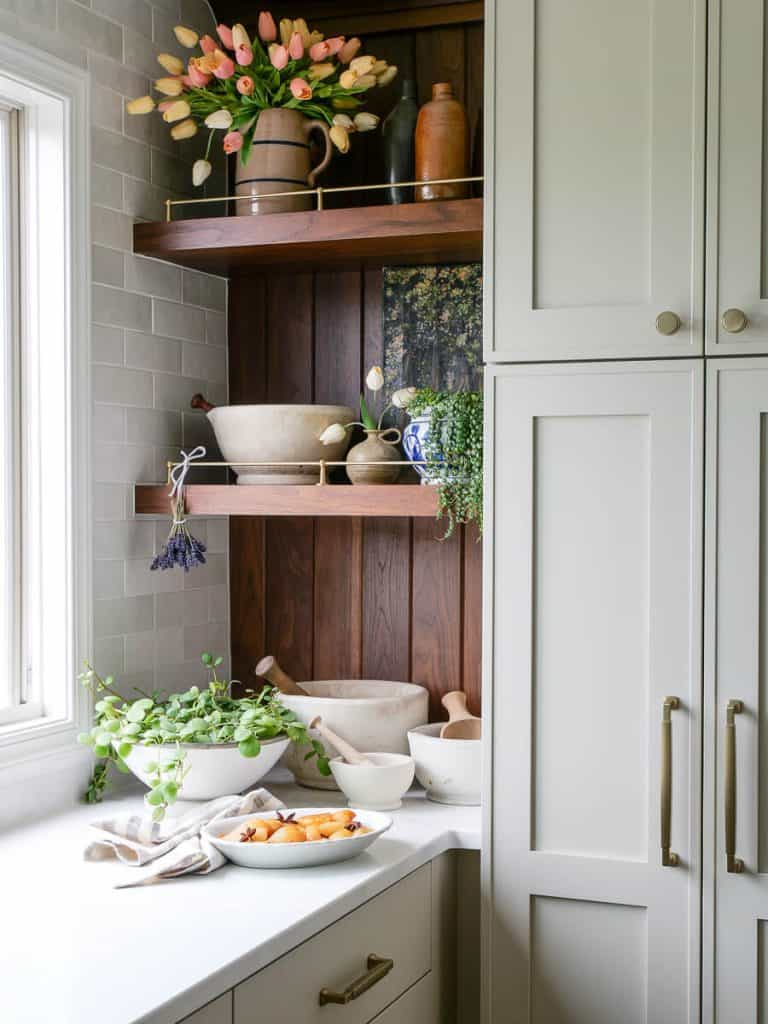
<point x="395" y="924"/>
<point x="419" y="1005"/>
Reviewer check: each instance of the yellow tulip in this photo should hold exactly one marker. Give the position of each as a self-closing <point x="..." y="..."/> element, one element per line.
<point x="173" y="65"/>
<point x="344" y="121"/>
<point x="239" y="36"/>
<point x="169" y="86"/>
<point x="317" y="72"/>
<point x="185" y="36"/>
<point x="300" y="26"/>
<point x="366" y="82"/>
<point x="141" y="105"/>
<point x="348" y="79"/>
<point x="183" y="130"/>
<point x="362" y="65"/>
<point x="365" y="122"/>
<point x="344" y="103"/>
<point x="286" y="31"/>
<point x="177" y="111"/>
<point x="379" y="67"/>
<point x="388" y="75"/>
<point x="315" y="37"/>
<point x="340" y="138"/>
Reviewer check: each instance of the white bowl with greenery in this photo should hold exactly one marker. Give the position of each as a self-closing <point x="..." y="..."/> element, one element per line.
<point x="195" y="745"/>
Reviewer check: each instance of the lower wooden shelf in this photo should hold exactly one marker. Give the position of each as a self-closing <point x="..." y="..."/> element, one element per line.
<point x="292" y="500"/>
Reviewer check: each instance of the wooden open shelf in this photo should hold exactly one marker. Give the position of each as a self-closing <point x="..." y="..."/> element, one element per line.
<point x="290" y="500"/>
<point x="433" y="232"/>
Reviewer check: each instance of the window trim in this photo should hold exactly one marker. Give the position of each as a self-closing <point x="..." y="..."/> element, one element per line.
<point x="25" y="740"/>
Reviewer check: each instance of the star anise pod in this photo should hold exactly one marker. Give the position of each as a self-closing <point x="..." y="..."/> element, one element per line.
<point x="247" y="835"/>
<point x="353" y="826"/>
<point x="286" y="819"/>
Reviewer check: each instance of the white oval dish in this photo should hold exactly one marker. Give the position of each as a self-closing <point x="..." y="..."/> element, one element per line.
<point x="377" y="786"/>
<point x="215" y="769"/>
<point x="449" y="770"/>
<point x="295" y="855"/>
<point x="371" y="714"/>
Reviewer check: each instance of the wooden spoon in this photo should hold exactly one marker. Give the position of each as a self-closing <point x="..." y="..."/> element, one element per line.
<point x="347" y="751"/>
<point x="462" y="725"/>
<point x="269" y="669"/>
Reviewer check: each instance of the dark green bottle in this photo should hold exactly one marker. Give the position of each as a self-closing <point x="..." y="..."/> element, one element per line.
<point x="398" y="136"/>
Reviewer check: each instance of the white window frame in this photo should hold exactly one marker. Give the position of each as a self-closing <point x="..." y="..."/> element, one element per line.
<point x="53" y="631"/>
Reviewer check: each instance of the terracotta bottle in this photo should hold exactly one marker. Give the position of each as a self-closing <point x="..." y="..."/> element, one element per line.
<point x="442" y="145"/>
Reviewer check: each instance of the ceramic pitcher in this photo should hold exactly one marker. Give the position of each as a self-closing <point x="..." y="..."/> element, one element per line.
<point x="279" y="161"/>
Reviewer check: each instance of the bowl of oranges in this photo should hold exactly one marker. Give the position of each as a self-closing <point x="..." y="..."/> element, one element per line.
<point x="300" y="838"/>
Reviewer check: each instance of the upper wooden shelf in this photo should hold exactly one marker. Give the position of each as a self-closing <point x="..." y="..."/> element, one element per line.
<point x="291" y="500"/>
<point x="433" y="232"/>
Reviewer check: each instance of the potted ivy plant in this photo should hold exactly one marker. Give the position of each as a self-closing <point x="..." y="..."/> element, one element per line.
<point x="446" y="432"/>
<point x="195" y="745"/>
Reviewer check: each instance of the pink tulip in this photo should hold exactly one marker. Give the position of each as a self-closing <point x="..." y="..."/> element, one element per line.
<point x="244" y="85"/>
<point x="207" y="44"/>
<point x="196" y="76"/>
<point x="278" y="55"/>
<point x="233" y="142"/>
<point x="296" y="47"/>
<point x="162" y="107"/>
<point x="267" y="27"/>
<point x="225" y="67"/>
<point x="244" y="56"/>
<point x="349" y="49"/>
<point x="225" y="35"/>
<point x="319" y="52"/>
<point x="334" y="44"/>
<point x="301" y="89"/>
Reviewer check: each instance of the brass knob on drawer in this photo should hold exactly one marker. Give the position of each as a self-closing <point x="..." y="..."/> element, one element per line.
<point x="734" y="321"/>
<point x="668" y="322"/>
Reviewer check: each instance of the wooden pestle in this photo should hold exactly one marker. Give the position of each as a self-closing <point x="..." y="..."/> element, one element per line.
<point x="462" y="725"/>
<point x="269" y="669"/>
<point x="199" y="402"/>
<point x="347" y="751"/>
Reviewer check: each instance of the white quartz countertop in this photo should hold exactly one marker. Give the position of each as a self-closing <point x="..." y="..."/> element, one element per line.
<point x="78" y="951"/>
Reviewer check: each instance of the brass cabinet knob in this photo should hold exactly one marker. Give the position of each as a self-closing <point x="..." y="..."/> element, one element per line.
<point x="668" y="322"/>
<point x="734" y="321"/>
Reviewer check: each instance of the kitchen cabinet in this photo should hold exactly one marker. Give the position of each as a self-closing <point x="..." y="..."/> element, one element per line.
<point x="736" y="893"/>
<point x="594" y="675"/>
<point x="217" y="1012"/>
<point x="737" y="187"/>
<point x="594" y="216"/>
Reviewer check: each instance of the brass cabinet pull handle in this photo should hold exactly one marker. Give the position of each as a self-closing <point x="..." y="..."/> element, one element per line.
<point x="378" y="968"/>
<point x="668" y="859"/>
<point x="733" y="864"/>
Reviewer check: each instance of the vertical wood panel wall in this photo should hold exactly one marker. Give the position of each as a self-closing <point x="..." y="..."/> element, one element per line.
<point x="350" y="598"/>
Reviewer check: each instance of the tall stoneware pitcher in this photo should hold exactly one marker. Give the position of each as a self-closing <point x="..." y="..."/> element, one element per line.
<point x="279" y="161"/>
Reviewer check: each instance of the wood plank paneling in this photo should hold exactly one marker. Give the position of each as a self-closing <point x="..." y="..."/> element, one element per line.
<point x="472" y="597"/>
<point x="387" y="599"/>
<point x="338" y="598"/>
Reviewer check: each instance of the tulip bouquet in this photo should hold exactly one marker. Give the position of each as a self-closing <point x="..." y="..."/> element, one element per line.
<point x="234" y="78"/>
<point x="374" y="382"/>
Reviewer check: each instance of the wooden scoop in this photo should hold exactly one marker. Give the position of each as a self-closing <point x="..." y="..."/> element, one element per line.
<point x="462" y="725"/>
<point x="269" y="669"/>
<point x="199" y="402"/>
<point x="347" y="751"/>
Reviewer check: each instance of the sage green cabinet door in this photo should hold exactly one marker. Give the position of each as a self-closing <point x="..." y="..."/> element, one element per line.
<point x="593" y="604"/>
<point x="595" y="206"/>
<point x="737" y="214"/>
<point x="736" y="962"/>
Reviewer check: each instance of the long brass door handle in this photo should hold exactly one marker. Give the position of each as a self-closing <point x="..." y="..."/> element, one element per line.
<point x="668" y="859"/>
<point x="378" y="968"/>
<point x="733" y="864"/>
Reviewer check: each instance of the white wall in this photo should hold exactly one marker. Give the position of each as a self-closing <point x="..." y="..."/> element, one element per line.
<point x="159" y="335"/>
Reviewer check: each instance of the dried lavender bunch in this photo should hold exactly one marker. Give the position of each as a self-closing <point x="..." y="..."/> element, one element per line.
<point x="181" y="548"/>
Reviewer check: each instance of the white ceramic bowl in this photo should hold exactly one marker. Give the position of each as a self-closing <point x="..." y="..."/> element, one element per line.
<point x="371" y="714"/>
<point x="449" y="770"/>
<point x="295" y="855"/>
<point x="278" y="433"/>
<point x="377" y="786"/>
<point x="215" y="769"/>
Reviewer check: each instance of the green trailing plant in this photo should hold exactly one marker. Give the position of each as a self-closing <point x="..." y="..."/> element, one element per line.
<point x="208" y="715"/>
<point x="454" y="444"/>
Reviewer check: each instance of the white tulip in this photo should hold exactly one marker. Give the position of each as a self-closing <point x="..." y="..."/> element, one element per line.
<point x="219" y="119"/>
<point x="375" y="379"/>
<point x="333" y="434"/>
<point x="403" y="398"/>
<point x="344" y="121"/>
<point x="201" y="170"/>
<point x="365" y="121"/>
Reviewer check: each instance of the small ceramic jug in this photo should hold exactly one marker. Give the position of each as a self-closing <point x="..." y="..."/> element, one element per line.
<point x="442" y="145"/>
<point x="375" y="448"/>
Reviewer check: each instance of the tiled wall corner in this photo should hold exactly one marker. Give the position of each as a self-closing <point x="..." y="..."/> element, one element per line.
<point x="158" y="336"/>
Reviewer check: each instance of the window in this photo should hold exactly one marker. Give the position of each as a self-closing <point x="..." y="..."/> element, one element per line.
<point x="44" y="456"/>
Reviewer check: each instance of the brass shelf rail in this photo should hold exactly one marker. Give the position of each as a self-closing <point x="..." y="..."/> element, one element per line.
<point x="322" y="464"/>
<point x="319" y="193"/>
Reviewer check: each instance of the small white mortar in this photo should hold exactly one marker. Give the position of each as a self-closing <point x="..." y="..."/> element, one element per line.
<point x="377" y="786"/>
<point x="449" y="770"/>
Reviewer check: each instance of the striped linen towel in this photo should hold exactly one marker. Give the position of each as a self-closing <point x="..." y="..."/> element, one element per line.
<point x="171" y="848"/>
